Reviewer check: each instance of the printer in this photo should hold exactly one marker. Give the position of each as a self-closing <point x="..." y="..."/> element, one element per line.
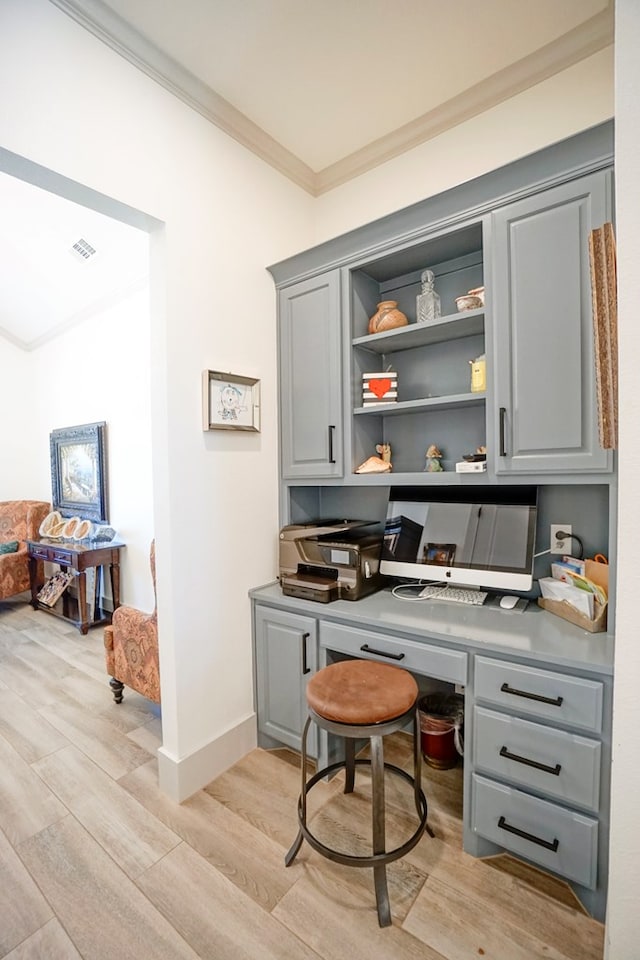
<point x="330" y="560"/>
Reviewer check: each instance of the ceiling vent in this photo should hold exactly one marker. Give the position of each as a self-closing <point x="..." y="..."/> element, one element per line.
<point x="82" y="250"/>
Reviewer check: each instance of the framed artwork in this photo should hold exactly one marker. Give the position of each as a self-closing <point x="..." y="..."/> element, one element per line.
<point x="79" y="471"/>
<point x="441" y="553"/>
<point x="230" y="402"/>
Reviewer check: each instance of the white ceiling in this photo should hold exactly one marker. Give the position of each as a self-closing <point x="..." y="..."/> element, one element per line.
<point x="321" y="90"/>
<point x="46" y="288"/>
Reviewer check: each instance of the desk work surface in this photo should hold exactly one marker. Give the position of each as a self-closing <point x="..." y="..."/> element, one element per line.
<point x="535" y="633"/>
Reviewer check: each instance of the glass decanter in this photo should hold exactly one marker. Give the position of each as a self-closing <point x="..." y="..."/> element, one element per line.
<point x="427" y="302"/>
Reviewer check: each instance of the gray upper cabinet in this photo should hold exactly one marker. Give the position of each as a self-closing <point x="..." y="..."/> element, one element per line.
<point x="310" y="378"/>
<point x="545" y="401"/>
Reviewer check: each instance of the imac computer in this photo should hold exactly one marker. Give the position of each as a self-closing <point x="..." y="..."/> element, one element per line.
<point x="471" y="536"/>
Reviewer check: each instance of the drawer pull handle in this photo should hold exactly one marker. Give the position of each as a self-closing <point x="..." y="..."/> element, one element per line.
<point x="554" y="701"/>
<point x="531" y="763"/>
<point x="381" y="653"/>
<point x="502" y="823"/>
<point x="305" y="666"/>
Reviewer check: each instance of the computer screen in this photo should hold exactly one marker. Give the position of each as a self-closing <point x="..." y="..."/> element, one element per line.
<point x="467" y="536"/>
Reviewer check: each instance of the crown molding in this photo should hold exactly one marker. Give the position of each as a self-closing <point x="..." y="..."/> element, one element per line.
<point x="97" y="306"/>
<point x="590" y="37"/>
<point x="109" y="27"/>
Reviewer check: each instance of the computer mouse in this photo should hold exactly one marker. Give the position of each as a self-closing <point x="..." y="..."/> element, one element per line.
<point x="508" y="602"/>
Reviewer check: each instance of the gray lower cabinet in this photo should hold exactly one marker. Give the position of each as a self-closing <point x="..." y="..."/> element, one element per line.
<point x="536" y="786"/>
<point x="310" y="378"/>
<point x="545" y="390"/>
<point x="286" y="655"/>
<point x="537" y="737"/>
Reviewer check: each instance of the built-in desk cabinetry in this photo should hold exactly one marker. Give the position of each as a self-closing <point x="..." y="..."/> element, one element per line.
<point x="538" y="694"/>
<point x="537" y="689"/>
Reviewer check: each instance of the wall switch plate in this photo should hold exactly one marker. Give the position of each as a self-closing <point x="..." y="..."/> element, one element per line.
<point x="563" y="545"/>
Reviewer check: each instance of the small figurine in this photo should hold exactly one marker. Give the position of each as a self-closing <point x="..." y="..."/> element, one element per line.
<point x="434" y="457"/>
<point x="381" y="464"/>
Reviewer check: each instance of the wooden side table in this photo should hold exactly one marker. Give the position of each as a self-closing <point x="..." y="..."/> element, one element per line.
<point x="76" y="558"/>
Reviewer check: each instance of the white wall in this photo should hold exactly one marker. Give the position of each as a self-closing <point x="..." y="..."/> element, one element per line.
<point x="623" y="918"/>
<point x="19" y="477"/>
<point x="73" y="106"/>
<point x="103" y="373"/>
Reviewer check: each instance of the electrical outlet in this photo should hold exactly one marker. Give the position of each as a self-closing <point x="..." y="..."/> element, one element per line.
<point x="562" y="545"/>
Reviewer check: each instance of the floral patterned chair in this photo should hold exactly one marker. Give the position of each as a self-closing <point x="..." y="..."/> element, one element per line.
<point x="131" y="645"/>
<point x="19" y="521"/>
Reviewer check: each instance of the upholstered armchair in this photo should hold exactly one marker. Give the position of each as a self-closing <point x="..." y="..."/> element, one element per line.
<point x="19" y="521"/>
<point x="131" y="645"/>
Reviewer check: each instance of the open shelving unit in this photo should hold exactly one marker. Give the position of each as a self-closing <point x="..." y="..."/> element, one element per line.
<point x="431" y="360"/>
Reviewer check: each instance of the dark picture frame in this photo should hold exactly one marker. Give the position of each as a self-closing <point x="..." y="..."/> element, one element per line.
<point x="79" y="471"/>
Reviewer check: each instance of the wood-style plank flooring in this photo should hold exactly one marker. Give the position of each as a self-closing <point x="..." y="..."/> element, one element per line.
<point x="96" y="863"/>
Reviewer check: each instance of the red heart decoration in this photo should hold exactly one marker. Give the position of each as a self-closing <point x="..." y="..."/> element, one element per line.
<point x="380" y="386"/>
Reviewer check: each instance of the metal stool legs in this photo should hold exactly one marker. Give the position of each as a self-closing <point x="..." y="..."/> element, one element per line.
<point x="380" y="855"/>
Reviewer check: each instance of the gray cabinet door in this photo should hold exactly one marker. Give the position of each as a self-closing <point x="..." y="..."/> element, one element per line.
<point x="310" y="378"/>
<point x="286" y="652"/>
<point x="545" y="418"/>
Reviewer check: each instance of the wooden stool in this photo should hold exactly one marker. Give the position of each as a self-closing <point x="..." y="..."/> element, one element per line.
<point x="355" y="699"/>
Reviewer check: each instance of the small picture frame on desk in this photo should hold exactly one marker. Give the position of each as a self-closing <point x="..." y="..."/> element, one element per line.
<point x="230" y="402"/>
<point x="440" y="553"/>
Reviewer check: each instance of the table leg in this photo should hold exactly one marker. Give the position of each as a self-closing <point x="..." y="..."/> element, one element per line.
<point x="115" y="581"/>
<point x="82" y="603"/>
<point x="33" y="581"/>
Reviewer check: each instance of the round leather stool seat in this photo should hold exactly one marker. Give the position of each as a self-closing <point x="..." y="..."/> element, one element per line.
<point x="356" y="700"/>
<point x="361" y="691"/>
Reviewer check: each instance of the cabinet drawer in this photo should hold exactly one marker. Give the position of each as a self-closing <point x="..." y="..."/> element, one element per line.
<point x="541" y="693"/>
<point x="61" y="556"/>
<point x="552" y="836"/>
<point x="562" y="765"/>
<point x="40" y="553"/>
<point x="424" y="658"/>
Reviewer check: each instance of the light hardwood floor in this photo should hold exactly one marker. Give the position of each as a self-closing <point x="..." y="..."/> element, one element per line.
<point x="96" y="863"/>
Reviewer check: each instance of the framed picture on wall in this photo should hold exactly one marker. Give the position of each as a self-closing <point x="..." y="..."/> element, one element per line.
<point x="230" y="402"/>
<point x="79" y="471"/>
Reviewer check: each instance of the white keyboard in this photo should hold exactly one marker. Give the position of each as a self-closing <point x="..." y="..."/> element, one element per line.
<point x="456" y="594"/>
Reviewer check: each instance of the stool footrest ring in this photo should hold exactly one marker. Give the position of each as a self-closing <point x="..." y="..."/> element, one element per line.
<point x="348" y="859"/>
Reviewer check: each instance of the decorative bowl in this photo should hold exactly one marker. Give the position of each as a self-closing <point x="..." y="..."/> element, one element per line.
<point x="51" y="522"/>
<point x="478" y="292"/>
<point x="468" y="302"/>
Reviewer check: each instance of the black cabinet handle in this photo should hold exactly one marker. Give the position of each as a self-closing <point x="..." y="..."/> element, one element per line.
<point x="381" y="653"/>
<point x="530" y="763"/>
<point x="305" y="666"/>
<point x="554" y="701"/>
<point x="553" y="846"/>
<point x="331" y="429"/>
<point x="503" y="414"/>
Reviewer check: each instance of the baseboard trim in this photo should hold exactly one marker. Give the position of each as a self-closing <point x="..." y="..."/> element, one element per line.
<point x="180" y="779"/>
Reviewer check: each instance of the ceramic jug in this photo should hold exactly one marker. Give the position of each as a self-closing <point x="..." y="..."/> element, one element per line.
<point x="387" y="317"/>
